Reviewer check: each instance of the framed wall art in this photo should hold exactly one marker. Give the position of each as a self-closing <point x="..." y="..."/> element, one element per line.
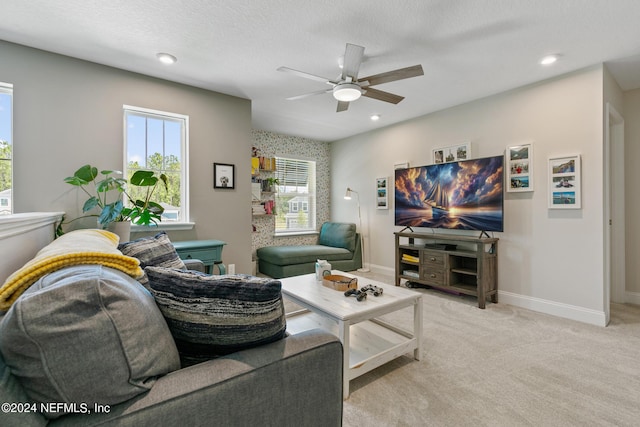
<point x="224" y="176"/>
<point x="452" y="153"/>
<point x="382" y="196"/>
<point x="564" y="183"/>
<point x="401" y="165"/>
<point x="519" y="168"/>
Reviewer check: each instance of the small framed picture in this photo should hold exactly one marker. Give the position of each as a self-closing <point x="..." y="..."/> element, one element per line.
<point x="382" y="197"/>
<point x="224" y="176"/>
<point x="564" y="183"/>
<point x="519" y="167"/>
<point x="452" y="153"/>
<point x="401" y="165"/>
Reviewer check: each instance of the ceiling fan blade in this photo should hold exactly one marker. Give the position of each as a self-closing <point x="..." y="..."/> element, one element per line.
<point x="353" y="55"/>
<point x="305" y="75"/>
<point x="342" y="106"/>
<point x="320" y="92"/>
<point x="382" y="96"/>
<point x="392" y="76"/>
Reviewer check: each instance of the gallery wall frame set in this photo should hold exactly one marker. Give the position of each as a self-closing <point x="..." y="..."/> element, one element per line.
<point x="382" y="193"/>
<point x="519" y="168"/>
<point x="452" y="153"/>
<point x="224" y="176"/>
<point x="564" y="183"/>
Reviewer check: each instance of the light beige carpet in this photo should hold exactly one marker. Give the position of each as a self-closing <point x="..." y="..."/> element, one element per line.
<point x="504" y="366"/>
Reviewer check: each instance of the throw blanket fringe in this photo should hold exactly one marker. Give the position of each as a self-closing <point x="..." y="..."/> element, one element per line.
<point x="74" y="248"/>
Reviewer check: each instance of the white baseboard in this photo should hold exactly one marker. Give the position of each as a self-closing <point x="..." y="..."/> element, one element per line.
<point x="567" y="311"/>
<point x="381" y="269"/>
<point x="632" y="297"/>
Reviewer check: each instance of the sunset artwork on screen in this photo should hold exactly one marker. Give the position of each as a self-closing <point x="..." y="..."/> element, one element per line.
<point x="465" y="195"/>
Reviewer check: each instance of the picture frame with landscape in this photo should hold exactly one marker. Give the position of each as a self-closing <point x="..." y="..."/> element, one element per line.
<point x="519" y="168"/>
<point x="382" y="196"/>
<point x="564" y="183"/>
<point x="452" y="153"/>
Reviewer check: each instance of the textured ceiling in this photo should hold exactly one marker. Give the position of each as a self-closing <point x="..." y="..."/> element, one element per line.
<point x="469" y="49"/>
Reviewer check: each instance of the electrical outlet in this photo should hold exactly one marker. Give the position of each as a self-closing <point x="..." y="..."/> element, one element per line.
<point x="232" y="269"/>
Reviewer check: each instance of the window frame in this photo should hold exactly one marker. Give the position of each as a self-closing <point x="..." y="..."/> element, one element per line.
<point x="7" y="88"/>
<point x="184" y="150"/>
<point x="312" y="195"/>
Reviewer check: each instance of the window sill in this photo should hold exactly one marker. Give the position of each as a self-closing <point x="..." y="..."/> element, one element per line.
<point x="296" y="233"/>
<point x="162" y="226"/>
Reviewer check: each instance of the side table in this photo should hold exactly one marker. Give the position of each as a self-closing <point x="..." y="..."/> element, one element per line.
<point x="207" y="251"/>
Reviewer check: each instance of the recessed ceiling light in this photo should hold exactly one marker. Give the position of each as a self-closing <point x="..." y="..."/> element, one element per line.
<point x="549" y="59"/>
<point x="375" y="117"/>
<point x="165" y="58"/>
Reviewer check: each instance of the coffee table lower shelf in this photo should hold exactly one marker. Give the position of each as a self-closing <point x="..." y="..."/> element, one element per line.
<point x="372" y="343"/>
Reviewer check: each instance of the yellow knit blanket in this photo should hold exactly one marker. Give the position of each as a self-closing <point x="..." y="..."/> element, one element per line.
<point x="74" y="248"/>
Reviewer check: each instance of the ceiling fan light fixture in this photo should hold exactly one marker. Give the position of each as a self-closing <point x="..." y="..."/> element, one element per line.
<point x="347" y="92"/>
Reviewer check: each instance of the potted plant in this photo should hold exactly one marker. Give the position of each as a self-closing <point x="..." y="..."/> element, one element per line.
<point x="269" y="184"/>
<point x="97" y="187"/>
<point x="112" y="210"/>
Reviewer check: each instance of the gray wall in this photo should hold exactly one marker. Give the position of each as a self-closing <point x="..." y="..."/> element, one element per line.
<point x="68" y="113"/>
<point x="549" y="260"/>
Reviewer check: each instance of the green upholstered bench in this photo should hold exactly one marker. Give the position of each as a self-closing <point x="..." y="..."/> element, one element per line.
<point x="337" y="243"/>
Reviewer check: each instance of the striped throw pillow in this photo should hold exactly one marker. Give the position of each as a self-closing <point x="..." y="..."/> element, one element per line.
<point x="211" y="316"/>
<point x="156" y="251"/>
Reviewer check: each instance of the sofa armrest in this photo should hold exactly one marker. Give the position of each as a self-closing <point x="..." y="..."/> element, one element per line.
<point x="194" y="264"/>
<point x="293" y="381"/>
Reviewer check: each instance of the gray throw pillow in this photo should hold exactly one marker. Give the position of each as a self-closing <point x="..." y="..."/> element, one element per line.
<point x="86" y="334"/>
<point x="211" y="316"/>
<point x="155" y="251"/>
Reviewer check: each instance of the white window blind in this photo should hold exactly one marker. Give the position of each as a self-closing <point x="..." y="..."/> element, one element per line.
<point x="296" y="189"/>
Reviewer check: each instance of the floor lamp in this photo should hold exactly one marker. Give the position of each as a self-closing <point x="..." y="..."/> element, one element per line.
<point x="347" y="196"/>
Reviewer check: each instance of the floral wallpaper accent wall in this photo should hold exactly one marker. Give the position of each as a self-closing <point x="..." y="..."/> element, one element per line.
<point x="271" y="145"/>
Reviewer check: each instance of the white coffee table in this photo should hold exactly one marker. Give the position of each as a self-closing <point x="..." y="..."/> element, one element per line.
<point x="368" y="342"/>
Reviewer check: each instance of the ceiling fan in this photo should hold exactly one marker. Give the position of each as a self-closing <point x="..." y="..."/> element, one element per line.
<point x="348" y="87"/>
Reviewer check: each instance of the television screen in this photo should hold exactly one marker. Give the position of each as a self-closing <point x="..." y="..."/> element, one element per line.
<point x="464" y="195"/>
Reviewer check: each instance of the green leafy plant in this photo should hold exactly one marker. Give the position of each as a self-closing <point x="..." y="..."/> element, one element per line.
<point x="144" y="211"/>
<point x="98" y="185"/>
<point x="270" y="182"/>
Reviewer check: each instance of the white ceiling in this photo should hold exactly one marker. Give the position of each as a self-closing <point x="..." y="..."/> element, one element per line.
<point x="469" y="49"/>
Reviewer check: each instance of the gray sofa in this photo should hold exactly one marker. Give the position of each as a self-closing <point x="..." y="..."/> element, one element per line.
<point x="296" y="380"/>
<point x="338" y="243"/>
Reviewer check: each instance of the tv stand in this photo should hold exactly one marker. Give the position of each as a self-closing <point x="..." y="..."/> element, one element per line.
<point x="458" y="264"/>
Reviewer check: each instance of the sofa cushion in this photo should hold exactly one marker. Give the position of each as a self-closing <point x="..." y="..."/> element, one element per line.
<point x="338" y="235"/>
<point x="156" y="251"/>
<point x="12" y="392"/>
<point x="211" y="316"/>
<point x="86" y="334"/>
<point x="288" y="255"/>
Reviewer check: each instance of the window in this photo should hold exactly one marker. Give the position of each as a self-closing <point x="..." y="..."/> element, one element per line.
<point x="296" y="196"/>
<point x="6" y="145"/>
<point x="157" y="141"/>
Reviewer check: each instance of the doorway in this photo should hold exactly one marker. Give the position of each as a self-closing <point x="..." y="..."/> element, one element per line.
<point x="614" y="215"/>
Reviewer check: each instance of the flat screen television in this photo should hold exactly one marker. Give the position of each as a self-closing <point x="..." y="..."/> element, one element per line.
<point x="463" y="195"/>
